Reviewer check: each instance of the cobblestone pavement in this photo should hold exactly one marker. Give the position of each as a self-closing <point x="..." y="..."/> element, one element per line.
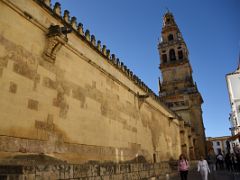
<point x="216" y="175"/>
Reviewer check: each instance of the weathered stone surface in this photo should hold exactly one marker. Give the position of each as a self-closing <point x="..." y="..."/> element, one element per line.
<point x="79" y="108"/>
<point x="13" y="88"/>
<point x="46" y="167"/>
<point x="24" y="70"/>
<point x="33" y="104"/>
<point x="49" y="83"/>
<point x="3" y="62"/>
<point x="1" y="72"/>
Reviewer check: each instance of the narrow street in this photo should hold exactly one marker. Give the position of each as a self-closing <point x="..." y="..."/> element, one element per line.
<point x="216" y="175"/>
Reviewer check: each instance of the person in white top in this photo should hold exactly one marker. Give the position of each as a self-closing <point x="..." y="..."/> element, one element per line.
<point x="203" y="168"/>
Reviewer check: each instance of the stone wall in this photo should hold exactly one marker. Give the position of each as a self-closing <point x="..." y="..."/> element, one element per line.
<point x="64" y="95"/>
<point x="132" y="171"/>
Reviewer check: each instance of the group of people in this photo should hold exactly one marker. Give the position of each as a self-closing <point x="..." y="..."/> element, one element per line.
<point x="183" y="167"/>
<point x="230" y="162"/>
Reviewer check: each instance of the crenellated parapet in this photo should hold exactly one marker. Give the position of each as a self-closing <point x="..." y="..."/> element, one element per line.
<point x="74" y="23"/>
<point x="57" y="9"/>
<point x="46" y="2"/>
<point x="78" y="29"/>
<point x="66" y="16"/>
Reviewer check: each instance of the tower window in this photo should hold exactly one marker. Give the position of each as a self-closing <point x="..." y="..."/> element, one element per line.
<point x="170" y="37"/>
<point x="180" y="54"/>
<point x="168" y="20"/>
<point x="172" y="55"/>
<point x="164" y="58"/>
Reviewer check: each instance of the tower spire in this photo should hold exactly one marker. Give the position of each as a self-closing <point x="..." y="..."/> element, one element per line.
<point x="167" y="10"/>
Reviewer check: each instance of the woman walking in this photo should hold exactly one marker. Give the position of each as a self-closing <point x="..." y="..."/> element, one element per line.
<point x="203" y="168"/>
<point x="183" y="166"/>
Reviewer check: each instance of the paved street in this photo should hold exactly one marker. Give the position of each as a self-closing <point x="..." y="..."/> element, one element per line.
<point x="219" y="175"/>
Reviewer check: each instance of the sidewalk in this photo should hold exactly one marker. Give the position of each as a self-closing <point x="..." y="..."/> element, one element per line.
<point x="216" y="175"/>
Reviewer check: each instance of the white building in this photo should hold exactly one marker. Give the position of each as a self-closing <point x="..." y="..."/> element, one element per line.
<point x="220" y="144"/>
<point x="233" y="83"/>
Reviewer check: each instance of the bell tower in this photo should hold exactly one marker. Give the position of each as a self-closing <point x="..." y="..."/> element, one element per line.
<point x="177" y="88"/>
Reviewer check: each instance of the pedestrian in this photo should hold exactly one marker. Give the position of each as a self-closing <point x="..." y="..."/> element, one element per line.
<point x="234" y="161"/>
<point x="238" y="162"/>
<point x="212" y="160"/>
<point x="203" y="168"/>
<point x="228" y="161"/>
<point x="183" y="167"/>
<point x="220" y="160"/>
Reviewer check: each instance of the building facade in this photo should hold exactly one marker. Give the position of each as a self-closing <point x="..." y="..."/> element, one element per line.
<point x="233" y="84"/>
<point x="177" y="88"/>
<point x="64" y="94"/>
<point x="220" y="144"/>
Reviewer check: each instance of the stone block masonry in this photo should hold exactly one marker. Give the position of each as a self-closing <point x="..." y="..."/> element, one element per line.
<point x="90" y="171"/>
<point x="65" y="95"/>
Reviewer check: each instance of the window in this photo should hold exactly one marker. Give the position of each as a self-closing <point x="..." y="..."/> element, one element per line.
<point x="168" y="20"/>
<point x="170" y="37"/>
<point x="164" y="58"/>
<point x="172" y="55"/>
<point x="239" y="108"/>
<point x="180" y="55"/>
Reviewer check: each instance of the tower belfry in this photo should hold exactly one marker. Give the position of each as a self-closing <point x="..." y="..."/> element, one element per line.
<point x="178" y="90"/>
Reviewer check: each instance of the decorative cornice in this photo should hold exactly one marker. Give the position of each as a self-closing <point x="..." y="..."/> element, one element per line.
<point x="174" y="63"/>
<point x="233" y="73"/>
<point x="172" y="43"/>
<point x="169" y="29"/>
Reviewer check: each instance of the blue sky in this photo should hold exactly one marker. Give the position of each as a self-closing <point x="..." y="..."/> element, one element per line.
<point x="131" y="29"/>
